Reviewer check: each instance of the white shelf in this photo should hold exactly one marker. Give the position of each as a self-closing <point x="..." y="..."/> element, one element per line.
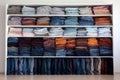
<point x="59" y="56"/>
<point x="65" y="36"/>
<point x="50" y="15"/>
<point x="59" y="26"/>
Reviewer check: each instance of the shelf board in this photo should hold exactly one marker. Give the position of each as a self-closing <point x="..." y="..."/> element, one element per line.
<point x="59" y="56"/>
<point x="35" y="15"/>
<point x="59" y="26"/>
<point x="66" y="36"/>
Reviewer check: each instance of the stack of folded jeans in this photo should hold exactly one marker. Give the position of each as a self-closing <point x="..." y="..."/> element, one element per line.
<point x="101" y="10"/>
<point x="28" y="10"/>
<point x="70" y="45"/>
<point x="43" y="21"/>
<point x="57" y="20"/>
<point x="103" y="21"/>
<point x="14" y="21"/>
<point x="40" y="32"/>
<point x="24" y="46"/>
<point x="91" y="31"/>
<point x="71" y="11"/>
<point x="81" y="32"/>
<point x="56" y="31"/>
<point x="85" y="10"/>
<point x="86" y="20"/>
<point x="93" y="46"/>
<point x="43" y="10"/>
<point x="57" y="10"/>
<point x="15" y="32"/>
<point x="70" y="31"/>
<point x="71" y="20"/>
<point x="49" y="45"/>
<point x="12" y="46"/>
<point x="105" y="47"/>
<point x="104" y="32"/>
<point x="60" y="46"/>
<point x="28" y="21"/>
<point x="37" y="47"/>
<point x="28" y="32"/>
<point x="14" y="9"/>
<point x="81" y="47"/>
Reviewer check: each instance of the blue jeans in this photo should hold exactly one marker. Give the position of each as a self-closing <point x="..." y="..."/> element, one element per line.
<point x="105" y="51"/>
<point x="95" y="66"/>
<point x="61" y="52"/>
<point x="10" y="66"/>
<point x="24" y="51"/>
<point x="37" y="51"/>
<point x="49" y="52"/>
<point x="94" y="51"/>
<point x="12" y="51"/>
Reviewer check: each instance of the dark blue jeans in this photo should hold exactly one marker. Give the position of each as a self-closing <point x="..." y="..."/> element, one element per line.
<point x="24" y="51"/>
<point x="50" y="52"/>
<point x="94" y="51"/>
<point x="105" y="51"/>
<point x="37" y="51"/>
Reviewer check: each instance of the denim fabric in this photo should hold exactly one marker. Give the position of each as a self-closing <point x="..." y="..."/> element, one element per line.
<point x="95" y="66"/>
<point x="16" y="66"/>
<point x="57" y="20"/>
<point x="12" y="42"/>
<point x="31" y="66"/>
<point x="105" y="51"/>
<point x="68" y="66"/>
<point x="82" y="52"/>
<point x="77" y="66"/>
<point x="94" y="51"/>
<point x="71" y="20"/>
<point x="37" y="51"/>
<point x="24" y="51"/>
<point x="70" y="52"/>
<point x="61" y="52"/>
<point x="12" y="51"/>
<point x="49" y="52"/>
<point x="10" y="66"/>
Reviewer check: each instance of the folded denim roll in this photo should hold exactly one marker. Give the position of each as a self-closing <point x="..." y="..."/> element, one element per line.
<point x="91" y="31"/>
<point x="71" y="11"/>
<point x="28" y="21"/>
<point x="40" y="32"/>
<point x="105" y="51"/>
<point x="14" y="21"/>
<point x="86" y="20"/>
<point x="81" y="32"/>
<point x="43" y="21"/>
<point x="28" y="32"/>
<point x="14" y="10"/>
<point x="81" y="51"/>
<point x="57" y="10"/>
<point x="15" y="32"/>
<point x="12" y="51"/>
<point x="57" y="20"/>
<point x="70" y="31"/>
<point x="28" y="10"/>
<point x="71" y="20"/>
<point x="104" y="31"/>
<point x="57" y="31"/>
<point x="85" y="10"/>
<point x="94" y="51"/>
<point x="24" y="51"/>
<point x="70" y="52"/>
<point x="49" y="42"/>
<point x="43" y="10"/>
<point x="12" y="42"/>
<point x="60" y="52"/>
<point x="37" y="51"/>
<point x="49" y="51"/>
